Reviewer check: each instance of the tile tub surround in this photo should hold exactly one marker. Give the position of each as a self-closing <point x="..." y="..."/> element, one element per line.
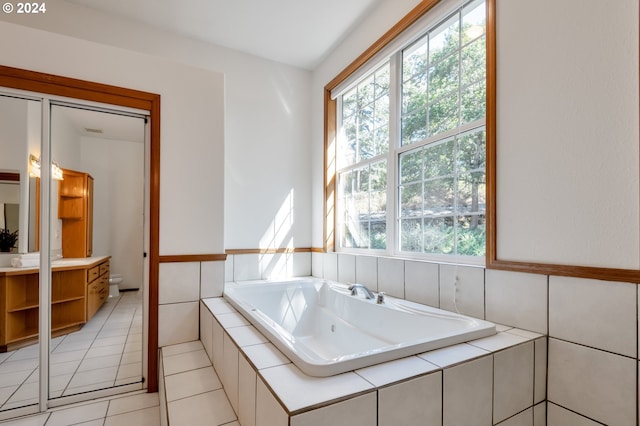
<point x="590" y="323"/>
<point x="489" y="381"/>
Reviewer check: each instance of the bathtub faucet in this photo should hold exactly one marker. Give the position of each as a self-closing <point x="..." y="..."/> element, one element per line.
<point x="354" y="290"/>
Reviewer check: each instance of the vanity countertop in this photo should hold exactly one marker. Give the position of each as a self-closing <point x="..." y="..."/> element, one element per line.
<point x="63" y="264"/>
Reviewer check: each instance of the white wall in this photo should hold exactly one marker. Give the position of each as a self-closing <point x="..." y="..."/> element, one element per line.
<point x="267" y="130"/>
<point x="117" y="203"/>
<point x="18" y="119"/>
<point x="13" y="138"/>
<point x="567" y="133"/>
<point x="191" y="124"/>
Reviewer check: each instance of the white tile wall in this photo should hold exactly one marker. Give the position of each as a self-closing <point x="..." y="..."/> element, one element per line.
<point x="391" y="276"/>
<point x="246" y="267"/>
<point x="394" y="371"/>
<point x="417" y="401"/>
<point x="558" y="416"/>
<point x="367" y="271"/>
<point x="232" y="319"/>
<point x="269" y="266"/>
<point x="540" y="414"/>
<point x="211" y="279"/>
<point x="517" y="299"/>
<point x="525" y="418"/>
<point x="317" y="264"/>
<point x="246" y="393"/>
<point x="246" y="335"/>
<point x="181" y="285"/>
<point x="206" y="330"/>
<point x="217" y="339"/>
<point x="455" y="354"/>
<point x="498" y="341"/>
<point x="273" y="266"/>
<point x="346" y="268"/>
<point x="265" y="355"/>
<point x="358" y="411"/>
<point x="540" y="370"/>
<point x="269" y="412"/>
<point x="179" y="282"/>
<point x="421" y="282"/>
<point x="513" y="381"/>
<point x="178" y="323"/>
<point x="229" y="373"/>
<point x="286" y="379"/>
<point x="598" y="384"/>
<point x="462" y="290"/>
<point x="467" y="393"/>
<point x="595" y="313"/>
<point x="228" y="268"/>
<point x="330" y="266"/>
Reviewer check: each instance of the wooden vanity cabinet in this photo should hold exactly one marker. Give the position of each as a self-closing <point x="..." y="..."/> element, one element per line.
<point x="77" y="292"/>
<point x="97" y="287"/>
<point x="75" y="209"/>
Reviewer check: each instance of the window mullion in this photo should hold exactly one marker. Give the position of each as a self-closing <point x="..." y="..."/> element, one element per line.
<point x="393" y="159"/>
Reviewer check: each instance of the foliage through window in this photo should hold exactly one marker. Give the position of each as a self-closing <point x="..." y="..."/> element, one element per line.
<point x="431" y="163"/>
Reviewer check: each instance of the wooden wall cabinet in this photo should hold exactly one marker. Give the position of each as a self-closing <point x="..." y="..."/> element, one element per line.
<point x="75" y="209"/>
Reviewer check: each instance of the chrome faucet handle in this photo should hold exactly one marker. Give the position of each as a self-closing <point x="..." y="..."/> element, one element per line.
<point x="354" y="290"/>
<point x="380" y="298"/>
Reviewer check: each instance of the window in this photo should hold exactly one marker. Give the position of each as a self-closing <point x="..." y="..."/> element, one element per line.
<point x="364" y="144"/>
<point x="411" y="144"/>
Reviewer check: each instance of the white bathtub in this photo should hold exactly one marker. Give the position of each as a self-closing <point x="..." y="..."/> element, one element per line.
<point x="324" y="330"/>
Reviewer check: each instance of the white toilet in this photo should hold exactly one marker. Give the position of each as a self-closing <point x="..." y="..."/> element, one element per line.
<point x="114" y="285"/>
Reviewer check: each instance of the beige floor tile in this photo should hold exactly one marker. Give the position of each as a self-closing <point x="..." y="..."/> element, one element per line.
<point x="81" y="413"/>
<point x="145" y="417"/>
<point x="126" y="404"/>
<point x="211" y="408"/>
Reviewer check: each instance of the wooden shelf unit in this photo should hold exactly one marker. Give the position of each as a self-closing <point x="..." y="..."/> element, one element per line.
<point x="77" y="292"/>
<point x="75" y="209"/>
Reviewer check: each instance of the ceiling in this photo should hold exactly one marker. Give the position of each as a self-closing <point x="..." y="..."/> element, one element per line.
<point x="103" y="125"/>
<point x="295" y="32"/>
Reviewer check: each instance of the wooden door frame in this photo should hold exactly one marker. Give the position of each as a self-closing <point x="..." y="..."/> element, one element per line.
<point x="49" y="84"/>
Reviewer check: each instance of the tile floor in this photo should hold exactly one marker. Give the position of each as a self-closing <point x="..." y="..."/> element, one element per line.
<point x="107" y="351"/>
<point x="140" y="409"/>
<point x="193" y="390"/>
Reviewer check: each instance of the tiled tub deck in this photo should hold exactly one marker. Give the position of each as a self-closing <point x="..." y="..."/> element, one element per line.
<point x="498" y="380"/>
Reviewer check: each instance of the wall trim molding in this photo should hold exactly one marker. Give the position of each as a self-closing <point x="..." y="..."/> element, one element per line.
<point x="176" y="258"/>
<point x="10" y="177"/>
<point x="270" y="250"/>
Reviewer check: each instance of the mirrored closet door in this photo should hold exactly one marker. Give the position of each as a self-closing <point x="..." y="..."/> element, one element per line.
<point x="72" y="195"/>
<point x="20" y="121"/>
<point x="97" y="232"/>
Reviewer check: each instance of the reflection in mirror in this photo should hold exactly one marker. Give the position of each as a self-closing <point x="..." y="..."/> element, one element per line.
<point x="9" y="211"/>
<point x="97" y="222"/>
<point x="19" y="352"/>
